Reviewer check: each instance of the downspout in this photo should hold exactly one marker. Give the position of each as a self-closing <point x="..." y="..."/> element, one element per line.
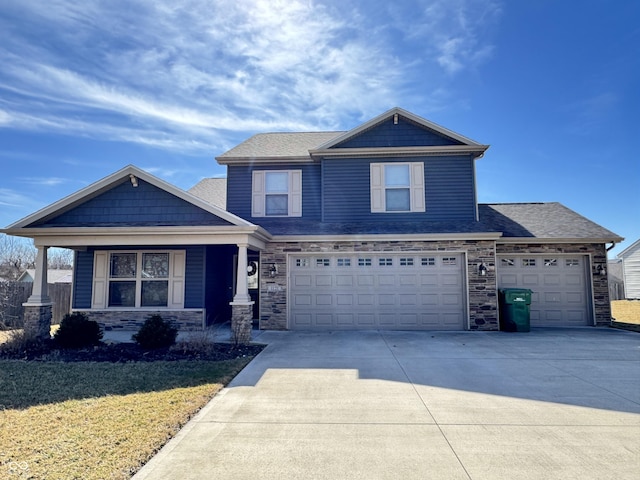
<point x="613" y="244"/>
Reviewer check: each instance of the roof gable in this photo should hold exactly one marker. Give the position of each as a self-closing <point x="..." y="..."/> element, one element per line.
<point x="129" y="197"/>
<point x="630" y="250"/>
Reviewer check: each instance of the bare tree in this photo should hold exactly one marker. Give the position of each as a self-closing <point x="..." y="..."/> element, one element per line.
<point x="60" y="258"/>
<point x="16" y="255"/>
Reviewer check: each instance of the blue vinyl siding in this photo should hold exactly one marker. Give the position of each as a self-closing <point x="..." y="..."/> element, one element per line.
<point x="404" y="134"/>
<point x="82" y="279"/>
<point x="449" y="190"/>
<point x="194" y="281"/>
<point x="239" y="191"/>
<point x="125" y="205"/>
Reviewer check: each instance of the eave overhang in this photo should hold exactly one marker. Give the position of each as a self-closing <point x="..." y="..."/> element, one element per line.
<point x="393" y="152"/>
<point x="371" y="237"/>
<point x="264" y="160"/>
<point x="82" y="237"/>
<point x="598" y="240"/>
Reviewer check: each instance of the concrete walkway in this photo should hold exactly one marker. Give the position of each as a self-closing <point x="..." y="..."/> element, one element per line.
<point x="553" y="403"/>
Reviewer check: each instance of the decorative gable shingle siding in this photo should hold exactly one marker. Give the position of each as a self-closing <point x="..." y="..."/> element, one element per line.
<point x="449" y="190"/>
<point x="239" y="180"/>
<point x="126" y="205"/>
<point x="404" y="134"/>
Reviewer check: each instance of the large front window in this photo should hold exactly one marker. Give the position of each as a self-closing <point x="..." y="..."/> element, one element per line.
<point x="139" y="279"/>
<point x="134" y="276"/>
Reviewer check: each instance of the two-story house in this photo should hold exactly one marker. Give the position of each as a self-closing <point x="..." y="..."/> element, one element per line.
<point x="378" y="227"/>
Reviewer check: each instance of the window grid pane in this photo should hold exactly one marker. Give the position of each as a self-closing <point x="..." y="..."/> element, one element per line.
<point x="277" y="204"/>
<point x="396" y="176"/>
<point x="123" y="265"/>
<point x="397" y="199"/>
<point x="155" y="265"/>
<point x="155" y="293"/>
<point x="277" y="182"/>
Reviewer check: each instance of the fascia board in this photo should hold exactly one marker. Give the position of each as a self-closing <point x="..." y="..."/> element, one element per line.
<point x="399" y="151"/>
<point x="629" y="249"/>
<point x="83" y="237"/>
<point x="389" y="113"/>
<point x="424" y="237"/>
<point x="263" y="160"/>
<point x="520" y="240"/>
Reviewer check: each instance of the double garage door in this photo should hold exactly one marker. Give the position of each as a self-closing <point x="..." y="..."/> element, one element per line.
<point x="559" y="284"/>
<point x="408" y="291"/>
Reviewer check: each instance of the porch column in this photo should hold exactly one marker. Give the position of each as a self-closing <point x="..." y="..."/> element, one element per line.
<point x="242" y="306"/>
<point x="242" y="285"/>
<point x="38" y="307"/>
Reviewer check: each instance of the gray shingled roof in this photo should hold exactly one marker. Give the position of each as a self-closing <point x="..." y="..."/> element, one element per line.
<point x="211" y="190"/>
<point x="545" y="221"/>
<point x="290" y="144"/>
<point x="541" y="220"/>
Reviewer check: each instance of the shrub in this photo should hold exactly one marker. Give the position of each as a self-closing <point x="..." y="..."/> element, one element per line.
<point x="19" y="345"/>
<point x="77" y="331"/>
<point x="155" y="332"/>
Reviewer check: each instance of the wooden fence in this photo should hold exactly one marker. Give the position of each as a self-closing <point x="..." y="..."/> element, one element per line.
<point x="14" y="294"/>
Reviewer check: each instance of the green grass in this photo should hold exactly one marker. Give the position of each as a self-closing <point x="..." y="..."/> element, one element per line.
<point x="97" y="420"/>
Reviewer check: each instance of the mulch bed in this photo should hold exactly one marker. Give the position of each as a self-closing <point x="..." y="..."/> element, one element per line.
<point x="131" y="352"/>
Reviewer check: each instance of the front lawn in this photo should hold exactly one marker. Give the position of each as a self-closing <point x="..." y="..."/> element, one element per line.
<point x="626" y="311"/>
<point x="98" y="420"/>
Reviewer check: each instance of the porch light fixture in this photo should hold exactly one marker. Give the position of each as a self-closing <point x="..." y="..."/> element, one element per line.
<point x="600" y="270"/>
<point x="482" y="269"/>
<point x="134" y="180"/>
<point x="273" y="270"/>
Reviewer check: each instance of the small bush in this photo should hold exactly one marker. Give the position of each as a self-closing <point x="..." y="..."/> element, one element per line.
<point x="77" y="331"/>
<point x="156" y="332"/>
<point x="18" y="345"/>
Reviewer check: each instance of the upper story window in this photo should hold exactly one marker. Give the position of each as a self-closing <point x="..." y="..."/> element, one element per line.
<point x="276" y="193"/>
<point x="397" y="187"/>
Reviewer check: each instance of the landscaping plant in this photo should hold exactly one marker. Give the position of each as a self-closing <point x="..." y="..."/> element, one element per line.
<point x="77" y="331"/>
<point x="156" y="332"/>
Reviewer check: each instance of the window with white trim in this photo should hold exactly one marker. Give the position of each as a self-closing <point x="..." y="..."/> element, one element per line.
<point x="276" y="193"/>
<point x="397" y="187"/>
<point x="134" y="279"/>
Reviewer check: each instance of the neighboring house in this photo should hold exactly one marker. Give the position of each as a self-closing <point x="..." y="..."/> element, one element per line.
<point x="53" y="276"/>
<point x="374" y="228"/>
<point x="630" y="257"/>
<point x="616" y="276"/>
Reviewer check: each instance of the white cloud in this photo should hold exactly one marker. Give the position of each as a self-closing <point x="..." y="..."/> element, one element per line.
<point x="180" y="75"/>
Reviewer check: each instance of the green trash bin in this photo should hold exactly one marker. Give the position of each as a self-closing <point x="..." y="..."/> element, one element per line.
<point x="514" y="309"/>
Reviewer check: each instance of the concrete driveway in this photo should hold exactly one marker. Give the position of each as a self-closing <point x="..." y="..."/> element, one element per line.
<point x="553" y="403"/>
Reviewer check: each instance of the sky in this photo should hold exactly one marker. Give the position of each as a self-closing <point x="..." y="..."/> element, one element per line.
<point x="553" y="86"/>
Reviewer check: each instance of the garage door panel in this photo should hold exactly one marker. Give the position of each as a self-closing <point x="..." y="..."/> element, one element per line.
<point x="552" y="280"/>
<point x="574" y="279"/>
<point x="429" y="280"/>
<point x="387" y="291"/>
<point x="386" y="299"/>
<point x="324" y="280"/>
<point x="575" y="298"/>
<point x="303" y="280"/>
<point x="344" y="299"/>
<point x="344" y="280"/>
<point x="387" y="280"/>
<point x="324" y="299"/>
<point x="530" y="280"/>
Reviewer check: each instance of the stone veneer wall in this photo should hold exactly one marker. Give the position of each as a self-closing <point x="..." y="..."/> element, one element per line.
<point x="186" y="320"/>
<point x="598" y="257"/>
<point x="482" y="290"/>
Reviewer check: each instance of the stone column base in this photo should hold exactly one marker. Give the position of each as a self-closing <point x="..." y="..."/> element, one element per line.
<point x="241" y="322"/>
<point x="37" y="320"/>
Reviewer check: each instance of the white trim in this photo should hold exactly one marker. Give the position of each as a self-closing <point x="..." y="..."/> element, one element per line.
<point x="387" y="152"/>
<point x="369" y="237"/>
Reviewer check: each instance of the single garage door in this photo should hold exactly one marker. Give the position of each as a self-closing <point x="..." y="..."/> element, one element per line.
<point x="559" y="284"/>
<point x="409" y="291"/>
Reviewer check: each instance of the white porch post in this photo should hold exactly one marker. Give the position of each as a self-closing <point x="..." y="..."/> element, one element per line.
<point x="38" y="308"/>
<point x="40" y="292"/>
<point x="242" y="305"/>
<point x="242" y="288"/>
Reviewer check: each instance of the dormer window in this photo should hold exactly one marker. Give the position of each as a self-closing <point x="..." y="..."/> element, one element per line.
<point x="277" y="193"/>
<point x="397" y="187"/>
